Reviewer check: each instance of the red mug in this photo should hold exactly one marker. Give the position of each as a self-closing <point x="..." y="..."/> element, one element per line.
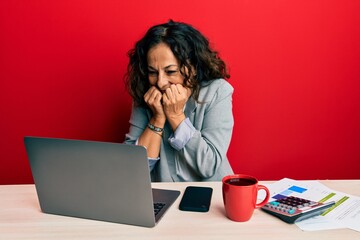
<point x="240" y="196"/>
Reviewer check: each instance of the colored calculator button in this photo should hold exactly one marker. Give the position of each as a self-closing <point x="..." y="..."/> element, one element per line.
<point x="292" y="211"/>
<point x="274" y="203"/>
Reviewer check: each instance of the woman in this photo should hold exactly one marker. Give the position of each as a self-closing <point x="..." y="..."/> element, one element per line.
<point x="182" y="104"/>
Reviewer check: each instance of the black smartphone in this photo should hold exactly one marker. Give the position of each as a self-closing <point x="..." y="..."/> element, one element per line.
<point x="196" y="199"/>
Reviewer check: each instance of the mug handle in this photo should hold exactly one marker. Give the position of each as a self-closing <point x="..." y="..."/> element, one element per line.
<point x="259" y="205"/>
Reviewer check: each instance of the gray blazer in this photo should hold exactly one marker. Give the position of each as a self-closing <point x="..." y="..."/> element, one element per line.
<point x="204" y="156"/>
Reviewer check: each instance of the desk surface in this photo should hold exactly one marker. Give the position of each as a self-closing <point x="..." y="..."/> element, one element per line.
<point x="21" y="218"/>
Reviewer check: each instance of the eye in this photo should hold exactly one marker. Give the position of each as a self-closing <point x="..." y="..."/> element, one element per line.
<point x="171" y="72"/>
<point x="152" y="73"/>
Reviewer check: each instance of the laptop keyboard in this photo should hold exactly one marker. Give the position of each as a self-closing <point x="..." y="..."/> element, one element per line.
<point x="158" y="207"/>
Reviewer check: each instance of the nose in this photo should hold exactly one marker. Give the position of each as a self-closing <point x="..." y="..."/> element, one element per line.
<point x="162" y="81"/>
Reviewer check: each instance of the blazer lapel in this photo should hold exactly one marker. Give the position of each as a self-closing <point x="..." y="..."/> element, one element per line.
<point x="190" y="109"/>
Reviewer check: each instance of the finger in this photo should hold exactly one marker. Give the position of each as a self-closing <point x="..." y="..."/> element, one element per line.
<point x="153" y="95"/>
<point x="158" y="97"/>
<point x="181" y="89"/>
<point x="188" y="92"/>
<point x="177" y="88"/>
<point x="149" y="92"/>
<point x="165" y="97"/>
<point x="184" y="92"/>
<point x="170" y="93"/>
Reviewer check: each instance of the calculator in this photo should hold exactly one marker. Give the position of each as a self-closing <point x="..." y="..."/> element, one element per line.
<point x="291" y="209"/>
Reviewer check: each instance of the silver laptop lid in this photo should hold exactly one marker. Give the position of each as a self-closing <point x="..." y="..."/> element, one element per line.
<point x="94" y="180"/>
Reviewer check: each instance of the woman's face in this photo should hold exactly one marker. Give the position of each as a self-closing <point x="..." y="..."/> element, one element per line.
<point x="163" y="67"/>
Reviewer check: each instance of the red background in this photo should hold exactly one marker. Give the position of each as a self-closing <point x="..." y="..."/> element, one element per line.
<point x="295" y="67"/>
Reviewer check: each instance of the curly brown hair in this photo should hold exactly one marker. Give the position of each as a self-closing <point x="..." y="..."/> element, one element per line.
<point x="191" y="49"/>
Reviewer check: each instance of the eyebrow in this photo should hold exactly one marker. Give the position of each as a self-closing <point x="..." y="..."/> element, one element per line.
<point x="171" y="65"/>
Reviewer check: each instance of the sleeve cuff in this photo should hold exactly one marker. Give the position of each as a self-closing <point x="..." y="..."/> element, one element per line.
<point x="152" y="161"/>
<point x="182" y="135"/>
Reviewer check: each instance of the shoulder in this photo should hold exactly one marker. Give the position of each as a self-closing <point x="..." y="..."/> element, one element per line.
<point x="217" y="88"/>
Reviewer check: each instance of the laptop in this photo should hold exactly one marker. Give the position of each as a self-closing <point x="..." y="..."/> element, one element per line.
<point x="96" y="180"/>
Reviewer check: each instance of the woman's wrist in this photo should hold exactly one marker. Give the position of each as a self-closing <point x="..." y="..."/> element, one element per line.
<point x="175" y="121"/>
<point x="156" y="126"/>
<point x="155" y="129"/>
<point x="157" y="122"/>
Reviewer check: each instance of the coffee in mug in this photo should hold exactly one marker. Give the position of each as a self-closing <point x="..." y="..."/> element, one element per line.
<point x="240" y="196"/>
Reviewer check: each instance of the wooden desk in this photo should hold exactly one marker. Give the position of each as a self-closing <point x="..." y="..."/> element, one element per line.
<point x="21" y="218"/>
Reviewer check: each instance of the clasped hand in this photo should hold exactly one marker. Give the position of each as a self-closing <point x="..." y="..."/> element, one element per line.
<point x="168" y="104"/>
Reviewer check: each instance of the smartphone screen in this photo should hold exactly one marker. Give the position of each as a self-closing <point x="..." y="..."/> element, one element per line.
<point x="196" y="199"/>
